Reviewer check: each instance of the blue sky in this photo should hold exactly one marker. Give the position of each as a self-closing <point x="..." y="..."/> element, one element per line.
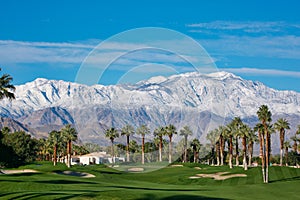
<point x="256" y="40"/>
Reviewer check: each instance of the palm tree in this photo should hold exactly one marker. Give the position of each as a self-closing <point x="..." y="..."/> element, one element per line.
<point x="286" y="146"/>
<point x="196" y="148"/>
<point x="170" y="131"/>
<point x="160" y="132"/>
<point x="236" y="123"/>
<point x="259" y="128"/>
<point x="252" y="138"/>
<point x="6" y="88"/>
<point x="127" y="130"/>
<point x="281" y="125"/>
<point x="295" y="145"/>
<point x="222" y="130"/>
<point x="264" y="115"/>
<point x="212" y="136"/>
<point x="185" y="132"/>
<point x="229" y="135"/>
<point x="70" y="134"/>
<point x="55" y="140"/>
<point x="143" y="130"/>
<point x="112" y="133"/>
<point x="244" y="132"/>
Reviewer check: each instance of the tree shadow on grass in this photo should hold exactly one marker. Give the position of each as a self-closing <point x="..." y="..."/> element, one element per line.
<point x="60" y="181"/>
<point x="179" y="197"/>
<point x="156" y="189"/>
<point x="296" y="178"/>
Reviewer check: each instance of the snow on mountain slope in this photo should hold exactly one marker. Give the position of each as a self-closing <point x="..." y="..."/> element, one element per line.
<point x="221" y="93"/>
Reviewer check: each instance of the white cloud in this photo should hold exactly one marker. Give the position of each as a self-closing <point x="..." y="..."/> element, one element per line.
<point x="245" y="26"/>
<point x="263" y="72"/>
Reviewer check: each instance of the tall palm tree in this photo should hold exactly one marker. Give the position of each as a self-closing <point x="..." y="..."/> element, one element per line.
<point x="55" y="140"/>
<point x="259" y="128"/>
<point x="229" y="135"/>
<point x="244" y="132"/>
<point x="222" y="130"/>
<point x="212" y="136"/>
<point x="281" y="125"/>
<point x="127" y="130"/>
<point x="160" y="132"/>
<point x="196" y="148"/>
<point x="112" y="134"/>
<point x="6" y="88"/>
<point x="185" y="132"/>
<point x="252" y="138"/>
<point x="236" y="123"/>
<point x="265" y="116"/>
<point x="143" y="130"/>
<point x="286" y="146"/>
<point x="70" y="134"/>
<point x="170" y="131"/>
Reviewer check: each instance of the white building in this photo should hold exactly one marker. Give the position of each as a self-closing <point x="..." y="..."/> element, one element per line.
<point x="95" y="158"/>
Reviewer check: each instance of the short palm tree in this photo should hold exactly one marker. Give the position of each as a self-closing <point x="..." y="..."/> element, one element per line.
<point x="127" y="130"/>
<point x="236" y="123"/>
<point x="212" y="137"/>
<point x="295" y="145"/>
<point x="160" y="132"/>
<point x="222" y="130"/>
<point x="170" y="131"/>
<point x="281" y="125"/>
<point x="143" y="130"/>
<point x="229" y="135"/>
<point x="244" y="133"/>
<point x="185" y="132"/>
<point x="286" y="146"/>
<point x="265" y="116"/>
<point x="55" y="139"/>
<point x="70" y="135"/>
<point x="6" y="88"/>
<point x="112" y="134"/>
<point x="196" y="148"/>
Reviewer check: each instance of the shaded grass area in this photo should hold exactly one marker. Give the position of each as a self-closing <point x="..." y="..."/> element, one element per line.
<point x="165" y="183"/>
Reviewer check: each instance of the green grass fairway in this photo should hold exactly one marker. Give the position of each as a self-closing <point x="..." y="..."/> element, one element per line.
<point x="166" y="183"/>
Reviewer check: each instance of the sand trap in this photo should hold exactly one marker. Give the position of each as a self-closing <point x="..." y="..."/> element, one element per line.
<point x="135" y="169"/>
<point x="197" y="168"/>
<point x="78" y="174"/>
<point x="218" y="176"/>
<point x="176" y="165"/>
<point x="17" y="171"/>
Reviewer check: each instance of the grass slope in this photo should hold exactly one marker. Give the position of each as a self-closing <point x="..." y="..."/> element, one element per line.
<point x="165" y="183"/>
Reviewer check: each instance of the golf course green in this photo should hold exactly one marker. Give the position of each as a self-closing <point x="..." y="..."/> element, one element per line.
<point x="42" y="180"/>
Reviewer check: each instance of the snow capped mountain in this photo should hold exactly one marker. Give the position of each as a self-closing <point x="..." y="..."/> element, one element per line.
<point x="199" y="100"/>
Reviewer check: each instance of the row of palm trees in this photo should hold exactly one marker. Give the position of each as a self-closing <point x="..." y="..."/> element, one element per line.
<point x="61" y="141"/>
<point x="159" y="133"/>
<point x="236" y="130"/>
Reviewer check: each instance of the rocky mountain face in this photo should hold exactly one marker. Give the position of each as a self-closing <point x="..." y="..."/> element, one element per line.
<point x="200" y="101"/>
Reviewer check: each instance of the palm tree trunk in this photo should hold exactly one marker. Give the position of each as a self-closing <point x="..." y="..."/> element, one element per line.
<point x="286" y="156"/>
<point x="263" y="161"/>
<point x="230" y="151"/>
<point x="260" y="144"/>
<point x="170" y="150"/>
<point x="69" y="153"/>
<point x="127" y="149"/>
<point x="112" y="151"/>
<point x="160" y="149"/>
<point x="237" y="151"/>
<point x="281" y="145"/>
<point x="218" y="153"/>
<point x="55" y="155"/>
<point x="267" y="156"/>
<point x="185" y="150"/>
<point x="143" y="150"/>
<point x="222" y="150"/>
<point x="244" y="153"/>
<point x="250" y="150"/>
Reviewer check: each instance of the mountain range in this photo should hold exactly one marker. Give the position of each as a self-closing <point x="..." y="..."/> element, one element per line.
<point x="201" y="101"/>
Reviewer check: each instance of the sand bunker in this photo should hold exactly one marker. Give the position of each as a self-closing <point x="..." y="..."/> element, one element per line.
<point x="17" y="171"/>
<point x="176" y="165"/>
<point x="78" y="174"/>
<point x="218" y="176"/>
<point x="197" y="167"/>
<point x="135" y="169"/>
